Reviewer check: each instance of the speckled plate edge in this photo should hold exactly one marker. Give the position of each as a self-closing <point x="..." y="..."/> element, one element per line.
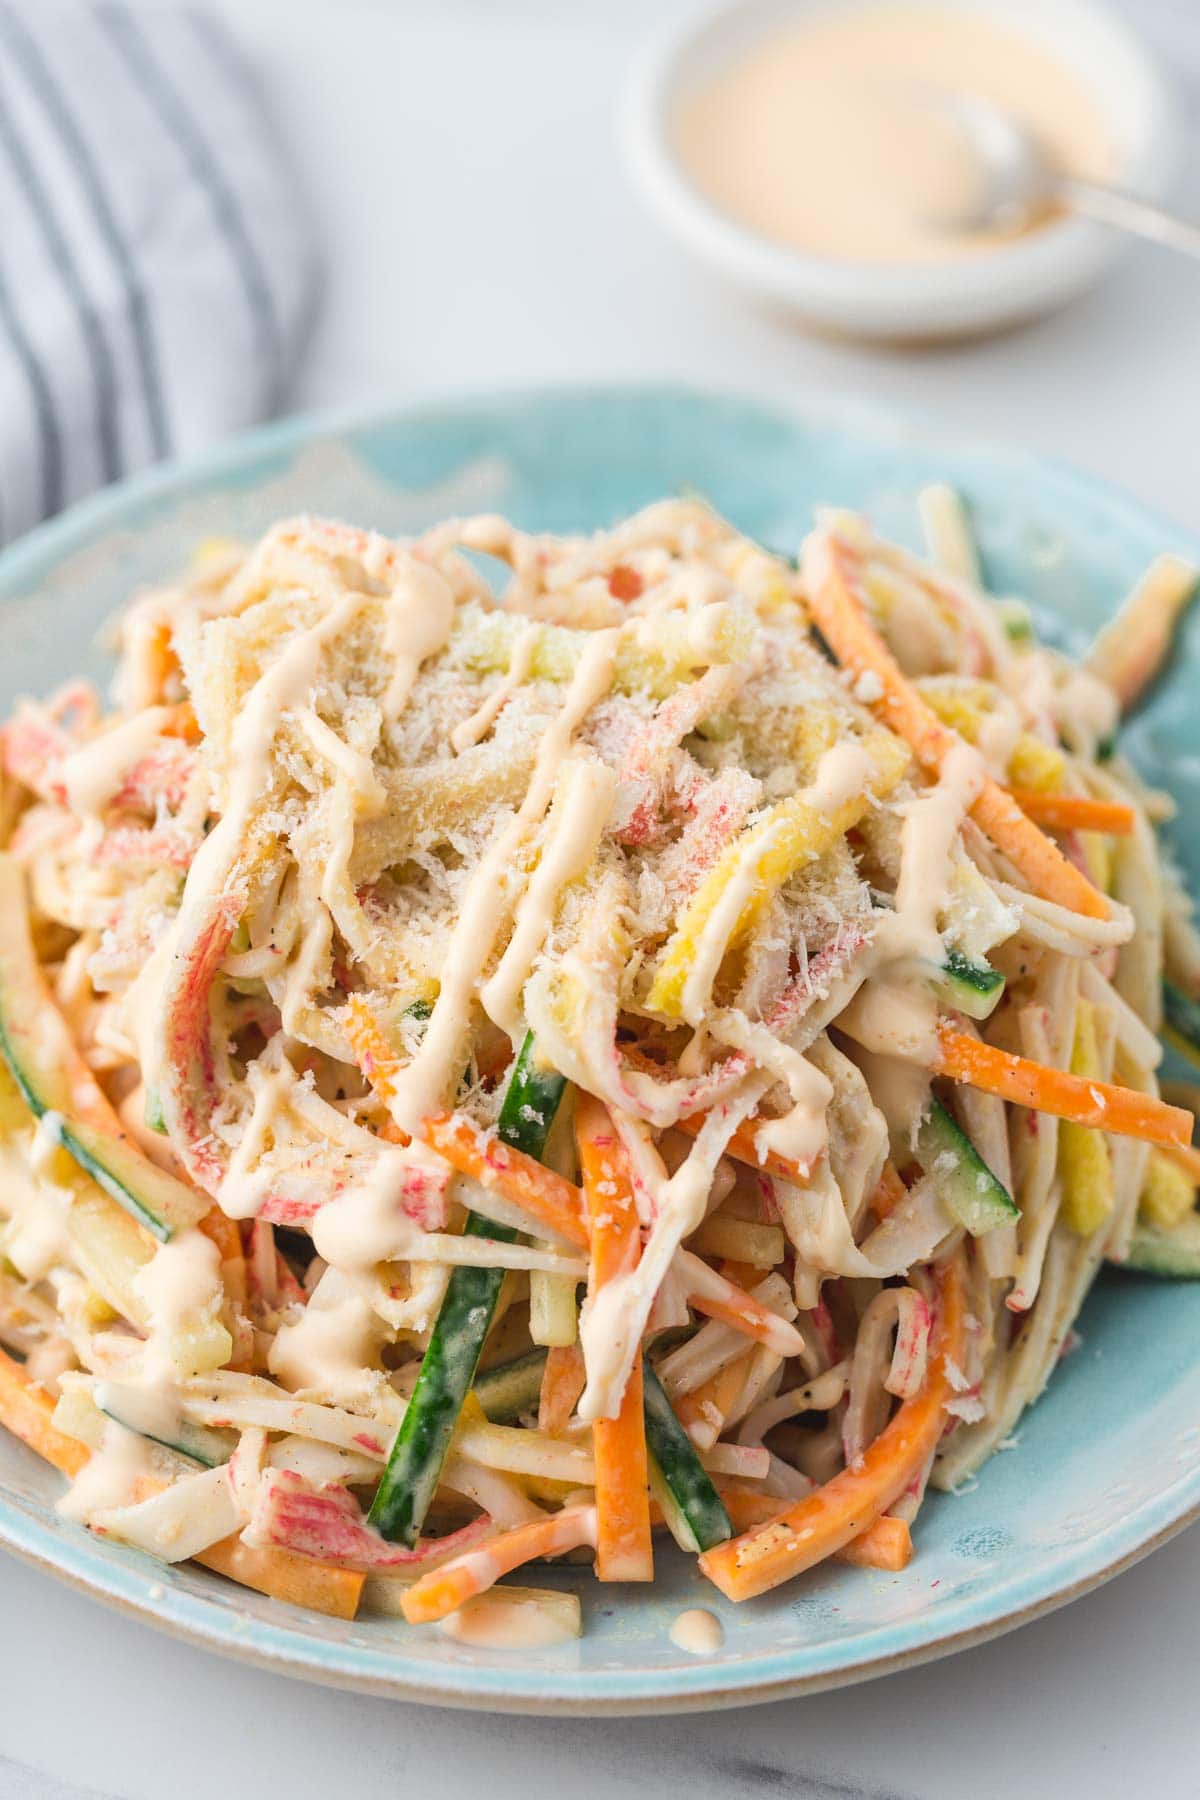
<point x="288" y="1649"/>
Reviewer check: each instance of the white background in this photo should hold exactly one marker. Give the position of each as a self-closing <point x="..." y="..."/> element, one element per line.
<point x="480" y="233"/>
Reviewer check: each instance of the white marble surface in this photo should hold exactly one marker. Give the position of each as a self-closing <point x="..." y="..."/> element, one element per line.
<point x="460" y="153"/>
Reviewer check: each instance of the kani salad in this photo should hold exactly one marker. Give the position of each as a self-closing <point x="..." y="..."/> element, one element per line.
<point x="497" y="1070"/>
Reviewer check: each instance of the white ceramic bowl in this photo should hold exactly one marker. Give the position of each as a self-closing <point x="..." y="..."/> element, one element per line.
<point x="903" y="300"/>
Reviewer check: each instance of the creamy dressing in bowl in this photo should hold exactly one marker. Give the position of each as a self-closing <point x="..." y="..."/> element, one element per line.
<point x="827" y="134"/>
<point x="828" y="210"/>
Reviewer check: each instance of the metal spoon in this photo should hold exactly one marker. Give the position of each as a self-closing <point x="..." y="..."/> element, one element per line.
<point x="1016" y="186"/>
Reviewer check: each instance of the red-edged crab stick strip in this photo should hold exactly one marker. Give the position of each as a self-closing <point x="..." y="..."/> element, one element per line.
<point x="1097" y="1103"/>
<point x="444" y="1590"/>
<point x="623" y="1545"/>
<point x="1075" y="812"/>
<point x="827" y="1520"/>
<point x="838" y="610"/>
<point x="25" y="1409"/>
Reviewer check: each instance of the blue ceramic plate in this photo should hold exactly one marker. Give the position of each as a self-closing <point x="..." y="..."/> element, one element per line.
<point x="1108" y="1465"/>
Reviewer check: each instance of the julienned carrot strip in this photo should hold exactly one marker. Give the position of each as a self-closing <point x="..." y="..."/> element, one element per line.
<point x="444" y="1590"/>
<point x="837" y="610"/>
<point x="624" y="1551"/>
<point x="25" y="1409"/>
<point x="181" y="723"/>
<point x="720" y="1298"/>
<point x="825" y="1521"/>
<point x="742" y="1148"/>
<point x="1075" y="812"/>
<point x="887" y="1544"/>
<point x="745" y="1314"/>
<point x="282" y="1575"/>
<point x="1024" y="1083"/>
<point x="223" y="1232"/>
<point x="889" y="1191"/>
<point x="373" y="1053"/>
<point x="702" y="1411"/>
<point x="536" y="1189"/>
<point x="563" y="1381"/>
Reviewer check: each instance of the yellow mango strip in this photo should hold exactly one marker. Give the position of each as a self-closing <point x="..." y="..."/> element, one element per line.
<point x="784" y="839"/>
<point x="1168" y="1193"/>
<point x="1084" y="1162"/>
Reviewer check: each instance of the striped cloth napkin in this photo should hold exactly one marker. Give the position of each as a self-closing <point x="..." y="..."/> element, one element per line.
<point x="157" y="269"/>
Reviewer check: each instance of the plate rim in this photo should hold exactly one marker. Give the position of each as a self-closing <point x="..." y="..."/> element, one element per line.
<point x="679" y="1687"/>
<point x="723" y="1694"/>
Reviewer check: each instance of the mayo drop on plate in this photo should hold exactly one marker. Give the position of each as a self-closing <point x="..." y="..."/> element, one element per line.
<point x="698" y="1632"/>
<point x="822" y="138"/>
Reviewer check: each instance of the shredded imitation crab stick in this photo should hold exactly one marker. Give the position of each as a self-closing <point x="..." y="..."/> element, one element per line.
<point x="823" y="1522"/>
<point x="25" y="1410"/>
<point x="1075" y="812"/>
<point x="790" y="835"/>
<point x="1075" y="1097"/>
<point x="444" y="1590"/>
<point x="838" y="611"/>
<point x="557" y="1203"/>
<point x="623" y="1546"/>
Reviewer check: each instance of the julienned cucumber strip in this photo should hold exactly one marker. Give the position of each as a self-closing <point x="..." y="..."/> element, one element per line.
<point x="99" y="1156"/>
<point x="691" y="1504"/>
<point x="964" y="1183"/>
<point x="511" y="1388"/>
<point x="37" y="1048"/>
<point x="448" y="1367"/>
<point x="447" y="1370"/>
<point x="197" y="1442"/>
<point x="1174" y="1253"/>
<point x="531" y="1102"/>
<point x="970" y="987"/>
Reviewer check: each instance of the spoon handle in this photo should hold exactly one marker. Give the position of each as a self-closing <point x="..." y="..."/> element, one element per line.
<point x="1112" y="207"/>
